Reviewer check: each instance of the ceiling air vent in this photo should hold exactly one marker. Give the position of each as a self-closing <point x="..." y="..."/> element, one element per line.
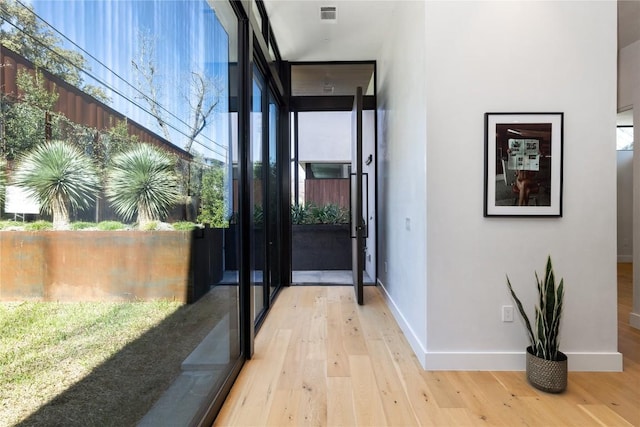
<point x="328" y="13"/>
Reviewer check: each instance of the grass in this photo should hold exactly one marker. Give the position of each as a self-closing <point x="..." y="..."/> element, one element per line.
<point x="82" y="225"/>
<point x="103" y="226"/>
<point x="8" y="223"/>
<point x="110" y="225"/>
<point x="38" y="226"/>
<point x="92" y="363"/>
<point x="184" y="225"/>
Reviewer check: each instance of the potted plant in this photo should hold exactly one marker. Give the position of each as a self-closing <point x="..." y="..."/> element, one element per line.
<point x="546" y="364"/>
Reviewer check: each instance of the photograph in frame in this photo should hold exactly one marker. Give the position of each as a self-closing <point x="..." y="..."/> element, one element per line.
<point x="523" y="164"/>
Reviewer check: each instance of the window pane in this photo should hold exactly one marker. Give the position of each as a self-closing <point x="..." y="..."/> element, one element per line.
<point x="256" y="192"/>
<point x="624" y="138"/>
<point x="117" y="76"/>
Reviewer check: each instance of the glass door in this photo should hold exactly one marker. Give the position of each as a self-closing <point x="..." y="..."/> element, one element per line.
<point x="272" y="231"/>
<point x="256" y="187"/>
<point x="265" y="196"/>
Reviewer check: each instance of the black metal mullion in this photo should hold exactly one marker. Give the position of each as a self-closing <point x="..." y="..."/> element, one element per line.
<point x="245" y="65"/>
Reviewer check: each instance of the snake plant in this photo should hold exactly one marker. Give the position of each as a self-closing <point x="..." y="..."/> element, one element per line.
<point x="544" y="338"/>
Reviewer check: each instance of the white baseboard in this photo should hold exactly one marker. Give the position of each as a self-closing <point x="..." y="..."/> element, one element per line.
<point x="494" y="361"/>
<point x="625" y="258"/>
<point x="595" y="362"/>
<point x="417" y="346"/>
<point x="634" y="320"/>
<point x="448" y="361"/>
<point x="506" y="361"/>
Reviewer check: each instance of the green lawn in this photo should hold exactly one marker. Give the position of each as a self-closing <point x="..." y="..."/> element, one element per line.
<point x="47" y="348"/>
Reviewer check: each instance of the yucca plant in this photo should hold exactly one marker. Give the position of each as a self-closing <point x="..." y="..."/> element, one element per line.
<point x="545" y="337"/>
<point x="142" y="181"/>
<point x="60" y="177"/>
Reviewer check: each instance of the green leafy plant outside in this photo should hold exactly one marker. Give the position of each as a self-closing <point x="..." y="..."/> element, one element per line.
<point x="142" y="181"/>
<point x="82" y="225"/>
<point x="212" y="204"/>
<point x="258" y="215"/>
<point x="311" y="214"/>
<point x="544" y="338"/>
<point x="3" y="182"/>
<point x="60" y="177"/>
<point x="184" y="226"/>
<point x="38" y="226"/>
<point x="110" y="225"/>
<point x="149" y="226"/>
<point x="10" y="223"/>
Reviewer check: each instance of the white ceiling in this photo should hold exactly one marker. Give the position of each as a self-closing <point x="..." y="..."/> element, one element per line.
<point x="356" y="35"/>
<point x="361" y="27"/>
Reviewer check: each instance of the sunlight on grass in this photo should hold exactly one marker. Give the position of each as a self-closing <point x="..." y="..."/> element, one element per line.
<point x="45" y="346"/>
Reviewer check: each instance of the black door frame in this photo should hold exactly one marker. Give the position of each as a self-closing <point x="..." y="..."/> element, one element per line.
<point x="298" y="104"/>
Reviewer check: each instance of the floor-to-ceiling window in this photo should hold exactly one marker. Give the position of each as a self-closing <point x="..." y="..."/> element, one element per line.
<point x="266" y="221"/>
<point x="256" y="193"/>
<point x="274" y="227"/>
<point x="144" y="91"/>
<point x="162" y="323"/>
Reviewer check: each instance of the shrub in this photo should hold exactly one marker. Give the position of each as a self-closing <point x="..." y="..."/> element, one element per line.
<point x="328" y="214"/>
<point x="9" y="223"/>
<point x="59" y="176"/>
<point x="142" y="182"/>
<point x="311" y="214"/>
<point x="258" y="215"/>
<point x="38" y="226"/>
<point x="110" y="225"/>
<point x="149" y="226"/>
<point x="3" y="182"/>
<point x="184" y="226"/>
<point x="212" y="198"/>
<point x="81" y="225"/>
<point x="298" y="214"/>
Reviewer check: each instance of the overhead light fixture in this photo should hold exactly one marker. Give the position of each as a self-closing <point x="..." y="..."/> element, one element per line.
<point x="328" y="13"/>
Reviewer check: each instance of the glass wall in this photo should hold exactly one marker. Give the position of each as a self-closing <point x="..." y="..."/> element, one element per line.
<point x="273" y="197"/>
<point x="256" y="193"/>
<point x="139" y="96"/>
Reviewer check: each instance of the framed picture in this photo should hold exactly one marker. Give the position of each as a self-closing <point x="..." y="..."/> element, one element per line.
<point x="523" y="164"/>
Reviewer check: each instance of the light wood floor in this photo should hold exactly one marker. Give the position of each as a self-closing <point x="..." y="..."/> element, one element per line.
<point x="321" y="360"/>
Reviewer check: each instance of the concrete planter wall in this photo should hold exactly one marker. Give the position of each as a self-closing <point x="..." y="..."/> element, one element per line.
<point x="109" y="265"/>
<point x="321" y="247"/>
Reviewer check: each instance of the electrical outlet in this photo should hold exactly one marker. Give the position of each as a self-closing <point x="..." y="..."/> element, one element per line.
<point x="386" y="267"/>
<point x="507" y="313"/>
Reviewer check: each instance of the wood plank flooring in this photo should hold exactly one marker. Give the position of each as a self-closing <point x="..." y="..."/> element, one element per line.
<point x="321" y="360"/>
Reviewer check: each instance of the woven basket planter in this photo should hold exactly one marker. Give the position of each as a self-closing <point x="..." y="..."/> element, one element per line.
<point x="547" y="375"/>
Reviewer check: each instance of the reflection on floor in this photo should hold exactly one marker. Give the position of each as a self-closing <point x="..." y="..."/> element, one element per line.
<point x="204" y="370"/>
<point x="327" y="277"/>
<point x="310" y="277"/>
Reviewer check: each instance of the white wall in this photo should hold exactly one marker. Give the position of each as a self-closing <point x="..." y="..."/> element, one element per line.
<point x="625" y="205"/>
<point x="401" y="159"/>
<point x="369" y="148"/>
<point x="324" y="137"/>
<point x="629" y="96"/>
<point x="477" y="57"/>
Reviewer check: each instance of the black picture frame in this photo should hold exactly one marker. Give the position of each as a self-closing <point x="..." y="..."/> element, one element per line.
<point x="523" y="164"/>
